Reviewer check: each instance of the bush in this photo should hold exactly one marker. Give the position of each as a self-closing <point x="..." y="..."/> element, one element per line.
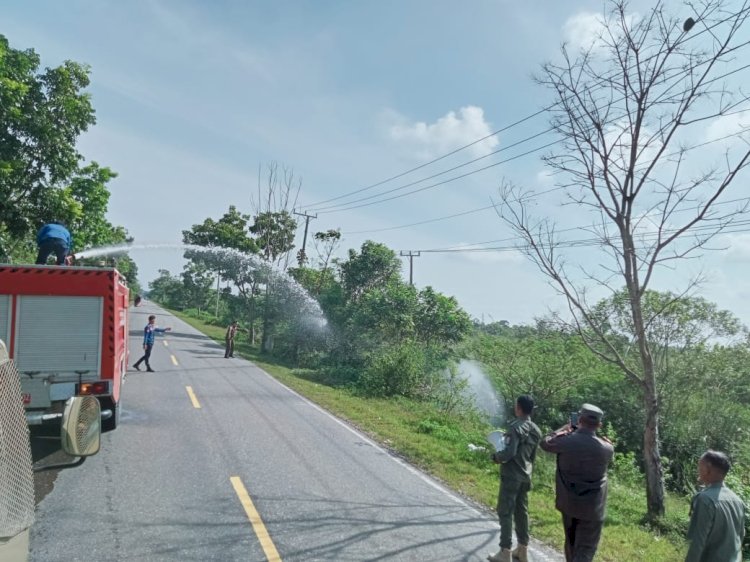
<point x="398" y="371"/>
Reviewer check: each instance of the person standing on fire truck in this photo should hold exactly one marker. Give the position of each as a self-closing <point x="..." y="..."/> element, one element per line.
<point x="149" y="333"/>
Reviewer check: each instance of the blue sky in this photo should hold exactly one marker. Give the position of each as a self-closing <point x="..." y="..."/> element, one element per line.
<point x="191" y="97"/>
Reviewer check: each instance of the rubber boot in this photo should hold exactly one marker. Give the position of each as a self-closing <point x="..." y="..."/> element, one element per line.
<point x="503" y="555"/>
<point x="521" y="553"/>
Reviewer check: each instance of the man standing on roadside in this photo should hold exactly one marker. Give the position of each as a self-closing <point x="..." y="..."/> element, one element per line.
<point x="148" y="342"/>
<point x="581" y="481"/>
<point x="517" y="460"/>
<point x="229" y="337"/>
<point x="717" y="515"/>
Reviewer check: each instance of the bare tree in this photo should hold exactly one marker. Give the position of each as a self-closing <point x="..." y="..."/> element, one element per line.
<point x="630" y="111"/>
<point x="274" y="228"/>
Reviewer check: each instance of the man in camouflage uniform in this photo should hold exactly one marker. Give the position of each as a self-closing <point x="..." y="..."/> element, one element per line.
<point x="517" y="460"/>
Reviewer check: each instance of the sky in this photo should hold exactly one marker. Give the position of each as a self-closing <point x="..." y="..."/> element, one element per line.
<point x="193" y="98"/>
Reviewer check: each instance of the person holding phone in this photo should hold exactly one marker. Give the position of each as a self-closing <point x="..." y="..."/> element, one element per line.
<point x="517" y="460"/>
<point x="581" y="481"/>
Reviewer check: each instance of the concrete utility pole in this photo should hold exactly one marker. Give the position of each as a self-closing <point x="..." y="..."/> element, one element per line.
<point x="411" y="255"/>
<point x="307" y="223"/>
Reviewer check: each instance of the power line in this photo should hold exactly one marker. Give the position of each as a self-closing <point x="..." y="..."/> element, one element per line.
<point x="580" y="242"/>
<point x="503" y="149"/>
<point x="459" y="149"/>
<point x="442" y="182"/>
<point x="349" y="205"/>
<point x="678" y="42"/>
<point x="470" y="212"/>
<point x="544" y="192"/>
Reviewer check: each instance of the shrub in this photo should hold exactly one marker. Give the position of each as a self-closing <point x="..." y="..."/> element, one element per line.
<point x="398" y="371"/>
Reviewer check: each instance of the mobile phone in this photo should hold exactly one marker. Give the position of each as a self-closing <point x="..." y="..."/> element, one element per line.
<point x="574" y="419"/>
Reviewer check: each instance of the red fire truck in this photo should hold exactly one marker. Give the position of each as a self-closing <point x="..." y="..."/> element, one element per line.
<point x="67" y="332"/>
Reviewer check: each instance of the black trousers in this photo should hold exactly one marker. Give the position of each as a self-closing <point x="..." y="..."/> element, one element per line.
<point x="581" y="538"/>
<point x="229" y="351"/>
<point x="50" y="246"/>
<point x="146" y="355"/>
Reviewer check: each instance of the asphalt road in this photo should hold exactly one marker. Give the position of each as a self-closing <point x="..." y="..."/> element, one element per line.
<point x="215" y="460"/>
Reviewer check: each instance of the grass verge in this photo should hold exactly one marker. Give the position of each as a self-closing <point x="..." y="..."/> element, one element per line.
<point x="439" y="446"/>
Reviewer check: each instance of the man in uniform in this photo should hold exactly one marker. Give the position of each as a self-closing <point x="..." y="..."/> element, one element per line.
<point x="717" y="515"/>
<point x="229" y="339"/>
<point x="517" y="460"/>
<point x="581" y="481"/>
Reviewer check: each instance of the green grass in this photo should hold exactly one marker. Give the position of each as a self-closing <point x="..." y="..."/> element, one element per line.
<point x="439" y="446"/>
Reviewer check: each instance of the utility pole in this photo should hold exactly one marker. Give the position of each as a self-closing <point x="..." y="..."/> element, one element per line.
<point x="304" y="239"/>
<point x="411" y="255"/>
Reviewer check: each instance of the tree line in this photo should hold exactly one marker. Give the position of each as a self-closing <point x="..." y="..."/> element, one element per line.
<point x="43" y="177"/>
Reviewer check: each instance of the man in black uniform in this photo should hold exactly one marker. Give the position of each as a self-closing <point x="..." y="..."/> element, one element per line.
<point x="517" y="459"/>
<point x="581" y="482"/>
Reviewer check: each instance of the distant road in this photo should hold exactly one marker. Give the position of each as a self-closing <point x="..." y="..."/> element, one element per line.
<point x="215" y="460"/>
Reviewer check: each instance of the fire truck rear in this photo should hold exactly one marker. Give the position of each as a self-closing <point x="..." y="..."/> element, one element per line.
<point x="67" y="330"/>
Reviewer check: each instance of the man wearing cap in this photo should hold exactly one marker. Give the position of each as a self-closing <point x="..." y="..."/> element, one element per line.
<point x="581" y="481"/>
<point x="517" y="460"/>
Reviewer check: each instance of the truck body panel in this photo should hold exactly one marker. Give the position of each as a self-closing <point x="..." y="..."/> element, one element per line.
<point x="65" y="326"/>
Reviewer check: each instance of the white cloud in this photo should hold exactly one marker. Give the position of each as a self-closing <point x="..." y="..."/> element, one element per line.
<point x="728" y="125"/>
<point x="738" y="246"/>
<point x="453" y="130"/>
<point x="545" y="179"/>
<point x="588" y="30"/>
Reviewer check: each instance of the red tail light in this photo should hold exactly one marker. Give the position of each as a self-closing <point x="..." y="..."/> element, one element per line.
<point x="100" y="387"/>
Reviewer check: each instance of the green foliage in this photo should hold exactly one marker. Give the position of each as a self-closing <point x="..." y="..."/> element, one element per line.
<point x="375" y="266"/>
<point x="168" y="290"/>
<point x="438" y="318"/>
<point x="547" y="363"/>
<point x="230" y="231"/>
<point x="274" y="233"/>
<point x="42" y="113"/>
<point x="400" y="370"/>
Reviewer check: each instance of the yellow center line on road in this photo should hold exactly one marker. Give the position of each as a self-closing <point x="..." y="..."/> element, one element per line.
<point x="174" y="359"/>
<point x="193" y="399"/>
<point x="165" y="343"/>
<point x="252" y="514"/>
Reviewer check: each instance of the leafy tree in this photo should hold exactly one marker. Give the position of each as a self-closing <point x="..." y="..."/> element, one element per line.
<point x="688" y="338"/>
<point x="197" y="281"/>
<point x="230" y="231"/>
<point x="42" y="113"/>
<point x="439" y="319"/>
<point x="374" y="266"/>
<point x="168" y="290"/>
<point x="326" y="244"/>
<point x="386" y="311"/>
<point x="274" y="234"/>
<point x="551" y="365"/>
